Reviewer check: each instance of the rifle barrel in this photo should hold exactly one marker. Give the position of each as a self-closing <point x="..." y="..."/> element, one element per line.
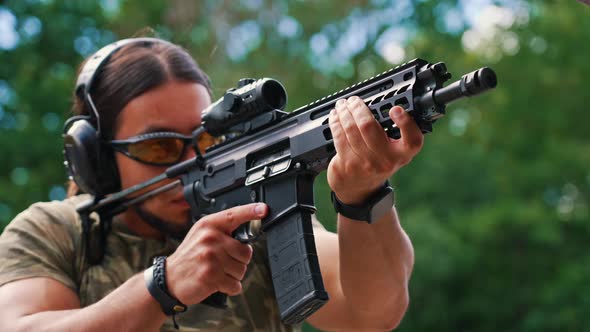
<point x="469" y="85"/>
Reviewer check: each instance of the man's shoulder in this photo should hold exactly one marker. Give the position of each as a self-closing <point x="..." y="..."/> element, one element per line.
<point x="43" y="241"/>
<point x="48" y="215"/>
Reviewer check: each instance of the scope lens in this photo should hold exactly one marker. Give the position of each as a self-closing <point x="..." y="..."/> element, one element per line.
<point x="274" y="94"/>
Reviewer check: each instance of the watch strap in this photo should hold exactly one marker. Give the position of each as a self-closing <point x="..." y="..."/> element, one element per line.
<point x="379" y="203"/>
<point x="155" y="281"/>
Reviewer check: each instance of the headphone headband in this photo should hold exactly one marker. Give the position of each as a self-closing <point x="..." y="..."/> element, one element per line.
<point x="98" y="59"/>
<point x="95" y="62"/>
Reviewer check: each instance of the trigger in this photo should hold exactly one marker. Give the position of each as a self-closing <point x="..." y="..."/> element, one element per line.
<point x="248" y="232"/>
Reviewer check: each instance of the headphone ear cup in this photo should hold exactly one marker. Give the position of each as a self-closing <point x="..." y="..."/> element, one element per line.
<point x="92" y="169"/>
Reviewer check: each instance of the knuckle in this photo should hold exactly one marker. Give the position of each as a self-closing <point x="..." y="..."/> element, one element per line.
<point x="366" y="123"/>
<point x="202" y="223"/>
<point x="353" y="167"/>
<point x="367" y="168"/>
<point x="332" y="117"/>
<point x="348" y="125"/>
<point x="208" y="273"/>
<point x="229" y="215"/>
<point x="339" y="180"/>
<point x="207" y="255"/>
<point x="209" y="236"/>
<point x="344" y="168"/>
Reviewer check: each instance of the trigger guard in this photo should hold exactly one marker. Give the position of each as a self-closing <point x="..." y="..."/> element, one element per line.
<point x="245" y="233"/>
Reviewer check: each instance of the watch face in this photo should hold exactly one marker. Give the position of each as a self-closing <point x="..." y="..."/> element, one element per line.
<point x="381" y="207"/>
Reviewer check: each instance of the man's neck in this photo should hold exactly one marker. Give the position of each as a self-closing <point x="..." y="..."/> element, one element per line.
<point x="146" y="224"/>
<point x="138" y="226"/>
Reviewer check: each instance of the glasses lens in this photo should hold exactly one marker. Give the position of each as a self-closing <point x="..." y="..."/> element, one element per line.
<point x="164" y="150"/>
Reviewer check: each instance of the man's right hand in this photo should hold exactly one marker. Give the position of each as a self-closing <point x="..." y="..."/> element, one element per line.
<point x="209" y="259"/>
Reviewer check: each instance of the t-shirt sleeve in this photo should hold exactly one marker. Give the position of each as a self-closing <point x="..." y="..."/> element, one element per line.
<point x="40" y="242"/>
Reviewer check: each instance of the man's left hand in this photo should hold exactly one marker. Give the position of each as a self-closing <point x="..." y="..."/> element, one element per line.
<point x="365" y="155"/>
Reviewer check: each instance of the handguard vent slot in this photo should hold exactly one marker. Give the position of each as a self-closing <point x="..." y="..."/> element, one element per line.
<point x="376" y="100"/>
<point x="403" y="102"/>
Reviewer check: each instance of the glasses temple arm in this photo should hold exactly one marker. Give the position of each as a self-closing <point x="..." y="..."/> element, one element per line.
<point x="118" y="202"/>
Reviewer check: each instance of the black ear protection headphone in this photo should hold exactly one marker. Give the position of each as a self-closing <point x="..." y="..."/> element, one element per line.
<point x="91" y="164"/>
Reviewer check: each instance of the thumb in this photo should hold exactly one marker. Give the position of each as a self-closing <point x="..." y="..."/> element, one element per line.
<point x="409" y="130"/>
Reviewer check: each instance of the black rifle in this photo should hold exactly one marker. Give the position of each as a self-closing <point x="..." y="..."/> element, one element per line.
<point x="273" y="157"/>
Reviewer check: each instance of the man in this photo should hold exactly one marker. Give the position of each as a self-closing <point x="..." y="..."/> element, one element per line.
<point x="144" y="98"/>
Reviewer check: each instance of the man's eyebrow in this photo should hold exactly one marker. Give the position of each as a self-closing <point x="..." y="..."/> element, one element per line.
<point x="156" y="129"/>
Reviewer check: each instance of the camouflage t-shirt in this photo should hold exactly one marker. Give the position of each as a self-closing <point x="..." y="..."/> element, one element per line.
<point x="45" y="241"/>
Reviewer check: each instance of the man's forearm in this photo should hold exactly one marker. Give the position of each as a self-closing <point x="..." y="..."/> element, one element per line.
<point x="128" y="308"/>
<point x="375" y="263"/>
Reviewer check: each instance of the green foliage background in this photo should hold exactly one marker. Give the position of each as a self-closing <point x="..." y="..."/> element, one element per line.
<point x="496" y="203"/>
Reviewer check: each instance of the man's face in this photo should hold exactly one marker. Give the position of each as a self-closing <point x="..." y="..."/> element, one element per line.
<point x="174" y="107"/>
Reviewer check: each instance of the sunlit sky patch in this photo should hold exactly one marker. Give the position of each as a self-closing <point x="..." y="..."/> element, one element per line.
<point x="488" y="34"/>
<point x="8" y="35"/>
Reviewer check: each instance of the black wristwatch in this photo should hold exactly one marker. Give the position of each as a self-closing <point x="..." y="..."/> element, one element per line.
<point x="155" y="281"/>
<point x="371" y="210"/>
